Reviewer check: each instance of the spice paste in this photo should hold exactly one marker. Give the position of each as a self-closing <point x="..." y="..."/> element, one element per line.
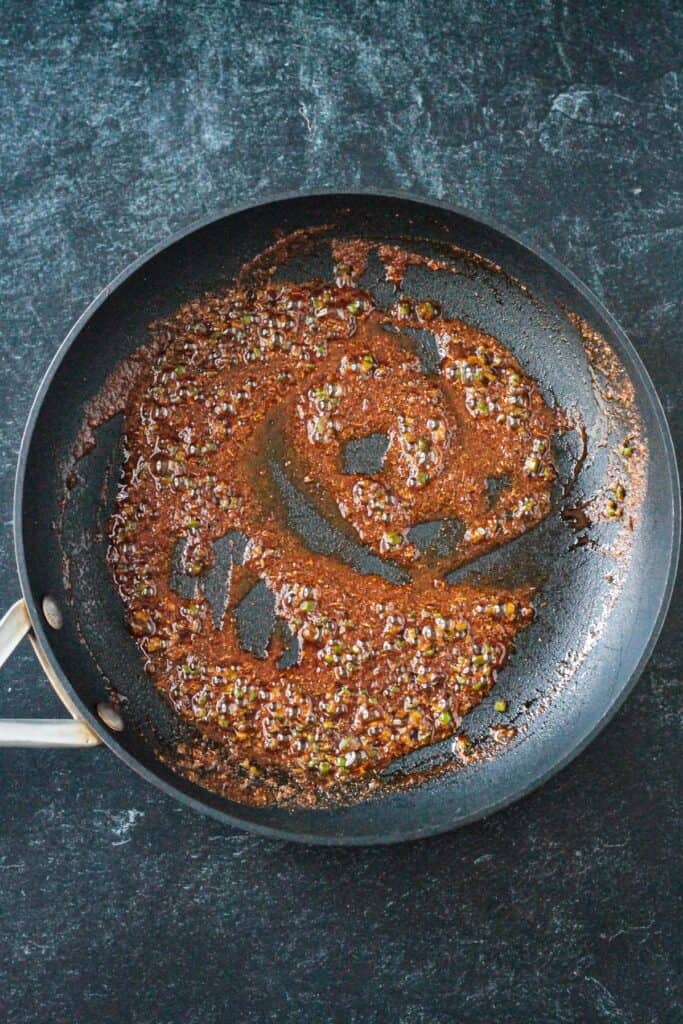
<point x="262" y="389"/>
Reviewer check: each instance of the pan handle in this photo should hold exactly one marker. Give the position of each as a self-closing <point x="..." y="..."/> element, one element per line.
<point x="41" y="732"/>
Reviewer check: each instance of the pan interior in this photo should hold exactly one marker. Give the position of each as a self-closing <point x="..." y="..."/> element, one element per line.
<point x="595" y="611"/>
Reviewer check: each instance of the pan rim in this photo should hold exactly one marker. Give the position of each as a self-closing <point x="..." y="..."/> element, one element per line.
<point x="535" y="780"/>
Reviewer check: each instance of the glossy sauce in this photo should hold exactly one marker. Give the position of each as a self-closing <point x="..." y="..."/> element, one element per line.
<point x="257" y="390"/>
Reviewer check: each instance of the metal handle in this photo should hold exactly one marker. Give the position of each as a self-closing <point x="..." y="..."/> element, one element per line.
<point x="40" y="732"/>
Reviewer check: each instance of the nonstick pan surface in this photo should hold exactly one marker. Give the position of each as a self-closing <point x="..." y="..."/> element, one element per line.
<point x="601" y="600"/>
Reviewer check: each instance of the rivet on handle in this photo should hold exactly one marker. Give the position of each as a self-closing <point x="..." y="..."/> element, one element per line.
<point x="110" y="716"/>
<point x="52" y="612"/>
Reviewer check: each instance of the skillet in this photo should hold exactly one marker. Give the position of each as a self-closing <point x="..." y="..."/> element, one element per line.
<point x="603" y="595"/>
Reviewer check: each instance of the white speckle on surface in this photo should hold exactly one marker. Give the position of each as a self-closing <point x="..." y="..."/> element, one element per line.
<point x="304" y="113"/>
<point x="120" y="824"/>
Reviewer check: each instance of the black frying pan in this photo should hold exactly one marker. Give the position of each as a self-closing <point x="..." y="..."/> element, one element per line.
<point x="574" y="666"/>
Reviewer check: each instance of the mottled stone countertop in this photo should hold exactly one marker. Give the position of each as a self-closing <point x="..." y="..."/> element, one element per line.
<point x="121" y="122"/>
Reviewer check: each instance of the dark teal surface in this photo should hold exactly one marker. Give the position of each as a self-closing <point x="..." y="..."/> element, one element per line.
<point x="122" y="122"/>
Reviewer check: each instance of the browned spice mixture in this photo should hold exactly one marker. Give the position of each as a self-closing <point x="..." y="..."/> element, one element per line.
<point x="628" y="462"/>
<point x="287" y="375"/>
